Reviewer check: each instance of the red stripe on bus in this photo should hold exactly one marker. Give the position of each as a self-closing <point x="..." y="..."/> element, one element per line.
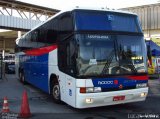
<point x="40" y="51"/>
<point x="138" y="77"/>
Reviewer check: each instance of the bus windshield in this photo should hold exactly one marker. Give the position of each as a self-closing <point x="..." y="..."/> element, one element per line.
<point x="110" y="54"/>
<point x="106" y="21"/>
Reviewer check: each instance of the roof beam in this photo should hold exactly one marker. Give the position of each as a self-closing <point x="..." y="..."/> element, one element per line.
<point x="7" y="7"/>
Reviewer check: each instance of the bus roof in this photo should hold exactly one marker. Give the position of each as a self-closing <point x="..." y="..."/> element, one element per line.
<point x="100" y="9"/>
<point x="78" y="8"/>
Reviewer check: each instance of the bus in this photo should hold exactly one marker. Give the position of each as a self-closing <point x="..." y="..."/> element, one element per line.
<point x="153" y="53"/>
<point x="86" y="58"/>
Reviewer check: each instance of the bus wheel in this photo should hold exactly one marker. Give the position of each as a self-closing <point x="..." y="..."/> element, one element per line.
<point x="22" y="78"/>
<point x="56" y="93"/>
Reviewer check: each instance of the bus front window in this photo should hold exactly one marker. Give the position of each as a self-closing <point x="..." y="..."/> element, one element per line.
<point x="109" y="55"/>
<point x="132" y="53"/>
<point x="93" y="52"/>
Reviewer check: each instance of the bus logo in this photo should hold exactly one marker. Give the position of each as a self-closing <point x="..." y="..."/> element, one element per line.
<point x="110" y="17"/>
<point x="115" y="82"/>
<point x="105" y="82"/>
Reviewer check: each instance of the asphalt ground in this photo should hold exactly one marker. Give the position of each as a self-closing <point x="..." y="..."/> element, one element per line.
<point x="43" y="107"/>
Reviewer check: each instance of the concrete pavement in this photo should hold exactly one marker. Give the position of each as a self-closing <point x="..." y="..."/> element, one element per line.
<point x="42" y="106"/>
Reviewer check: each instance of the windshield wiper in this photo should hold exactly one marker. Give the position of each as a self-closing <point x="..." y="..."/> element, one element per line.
<point x="128" y="61"/>
<point x="132" y="65"/>
<point x="108" y="62"/>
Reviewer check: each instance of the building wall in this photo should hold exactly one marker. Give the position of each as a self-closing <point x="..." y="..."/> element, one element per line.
<point x="149" y="16"/>
<point x="152" y="33"/>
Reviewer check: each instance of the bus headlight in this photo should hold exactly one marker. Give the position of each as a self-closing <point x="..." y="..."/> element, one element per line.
<point x="90" y="89"/>
<point x="141" y="85"/>
<point x="143" y="94"/>
<point x="93" y="89"/>
<point x="97" y="89"/>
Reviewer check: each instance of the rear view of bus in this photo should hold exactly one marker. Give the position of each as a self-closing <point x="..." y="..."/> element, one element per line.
<point x="111" y="58"/>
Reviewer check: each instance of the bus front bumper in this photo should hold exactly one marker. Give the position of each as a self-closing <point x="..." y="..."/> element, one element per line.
<point x="110" y="98"/>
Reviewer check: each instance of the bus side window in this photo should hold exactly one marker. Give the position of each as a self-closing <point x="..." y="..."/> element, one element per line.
<point x="62" y="61"/>
<point x="34" y="36"/>
<point x="51" y="36"/>
<point x="48" y="32"/>
<point x="66" y="23"/>
<point x="66" y="56"/>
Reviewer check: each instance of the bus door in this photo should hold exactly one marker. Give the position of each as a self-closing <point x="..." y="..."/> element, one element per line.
<point x="66" y="65"/>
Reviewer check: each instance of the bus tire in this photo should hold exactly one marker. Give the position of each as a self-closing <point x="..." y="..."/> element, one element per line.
<point x="22" y="78"/>
<point x="55" y="92"/>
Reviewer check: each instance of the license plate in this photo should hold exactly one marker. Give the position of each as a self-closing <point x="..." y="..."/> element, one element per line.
<point x="118" y="98"/>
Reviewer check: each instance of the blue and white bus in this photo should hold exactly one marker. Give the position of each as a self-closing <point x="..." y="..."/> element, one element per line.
<point x="86" y="58"/>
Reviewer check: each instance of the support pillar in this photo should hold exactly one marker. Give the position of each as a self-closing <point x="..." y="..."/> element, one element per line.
<point x="19" y="34"/>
